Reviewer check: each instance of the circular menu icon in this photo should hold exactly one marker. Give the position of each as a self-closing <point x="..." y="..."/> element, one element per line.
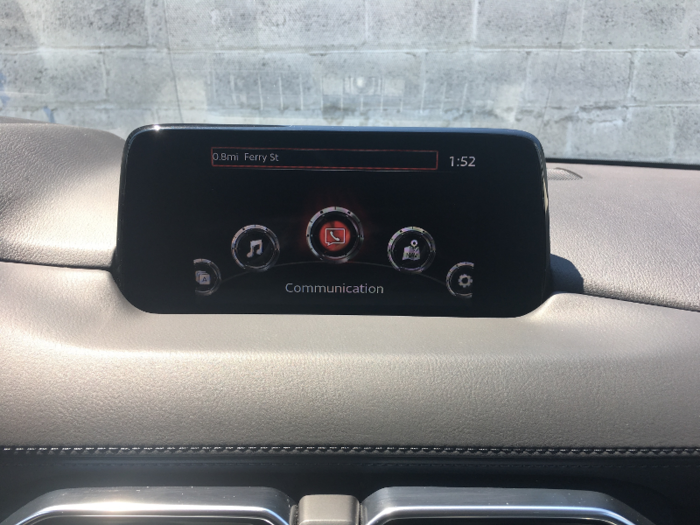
<point x="460" y="280"/>
<point x="255" y="248"/>
<point x="411" y="250"/>
<point x="334" y="234"/>
<point x="207" y="277"/>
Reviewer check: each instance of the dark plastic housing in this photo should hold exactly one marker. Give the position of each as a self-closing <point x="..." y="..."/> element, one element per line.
<point x="475" y="199"/>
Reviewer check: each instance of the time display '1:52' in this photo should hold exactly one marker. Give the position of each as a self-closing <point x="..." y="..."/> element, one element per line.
<point x="463" y="161"/>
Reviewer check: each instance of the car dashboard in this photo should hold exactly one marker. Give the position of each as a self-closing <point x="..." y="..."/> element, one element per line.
<point x="594" y="390"/>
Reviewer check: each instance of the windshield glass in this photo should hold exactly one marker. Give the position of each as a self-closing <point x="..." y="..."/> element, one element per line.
<point x="593" y="79"/>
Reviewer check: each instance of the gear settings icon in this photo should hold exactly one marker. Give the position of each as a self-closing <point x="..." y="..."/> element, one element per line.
<point x="464" y="280"/>
<point x="460" y="280"/>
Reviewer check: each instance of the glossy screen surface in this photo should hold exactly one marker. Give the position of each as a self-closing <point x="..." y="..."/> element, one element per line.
<point x="336" y="221"/>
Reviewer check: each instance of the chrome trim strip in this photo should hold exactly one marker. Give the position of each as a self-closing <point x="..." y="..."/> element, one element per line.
<point x="432" y="502"/>
<point x="268" y="505"/>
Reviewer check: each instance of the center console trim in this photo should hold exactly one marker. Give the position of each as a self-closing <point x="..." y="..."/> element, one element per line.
<point x="264" y="504"/>
<point x="402" y="503"/>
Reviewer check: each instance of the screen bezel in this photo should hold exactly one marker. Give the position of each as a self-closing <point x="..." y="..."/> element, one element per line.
<point x="151" y="219"/>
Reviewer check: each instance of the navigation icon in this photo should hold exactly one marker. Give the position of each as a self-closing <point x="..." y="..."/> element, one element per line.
<point x="411" y="250"/>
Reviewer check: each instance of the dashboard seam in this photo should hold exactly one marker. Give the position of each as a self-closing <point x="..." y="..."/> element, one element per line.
<point x="354" y="450"/>
<point x="507" y="466"/>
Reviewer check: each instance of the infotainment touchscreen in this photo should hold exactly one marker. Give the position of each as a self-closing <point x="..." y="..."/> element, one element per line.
<point x="364" y="221"/>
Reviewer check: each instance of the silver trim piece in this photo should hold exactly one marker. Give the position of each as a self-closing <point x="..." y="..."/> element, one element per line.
<point x="398" y="503"/>
<point x="328" y="509"/>
<point x="406" y="231"/>
<point x="268" y="505"/>
<point x="346" y="214"/>
<point x="449" y="278"/>
<point x="273" y="241"/>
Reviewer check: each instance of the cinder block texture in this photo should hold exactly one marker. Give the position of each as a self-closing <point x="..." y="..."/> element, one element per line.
<point x="414" y="23"/>
<point x="636" y="132"/>
<point x="92" y="23"/>
<point x="41" y="78"/>
<point x="19" y="25"/>
<point x="667" y="77"/>
<point x="528" y="23"/>
<point x="686" y="139"/>
<point x="602" y="79"/>
<point x="578" y="78"/>
<point x="635" y="24"/>
<point x="150" y="84"/>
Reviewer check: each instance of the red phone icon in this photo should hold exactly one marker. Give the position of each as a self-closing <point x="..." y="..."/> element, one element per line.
<point x="334" y="236"/>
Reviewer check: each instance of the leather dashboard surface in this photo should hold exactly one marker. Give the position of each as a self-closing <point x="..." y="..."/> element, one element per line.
<point x="80" y="366"/>
<point x="627" y="232"/>
<point x="90" y="369"/>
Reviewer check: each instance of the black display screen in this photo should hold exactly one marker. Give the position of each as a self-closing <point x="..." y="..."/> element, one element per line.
<point x="333" y="221"/>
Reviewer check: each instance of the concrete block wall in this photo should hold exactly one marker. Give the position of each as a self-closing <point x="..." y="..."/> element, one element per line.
<point x="603" y="79"/>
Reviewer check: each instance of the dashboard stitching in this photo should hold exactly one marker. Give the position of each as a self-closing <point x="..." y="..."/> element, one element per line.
<point x="352" y="450"/>
<point x="507" y="466"/>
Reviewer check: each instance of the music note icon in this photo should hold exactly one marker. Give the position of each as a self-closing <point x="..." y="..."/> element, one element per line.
<point x="255" y="248"/>
<point x="253" y="245"/>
